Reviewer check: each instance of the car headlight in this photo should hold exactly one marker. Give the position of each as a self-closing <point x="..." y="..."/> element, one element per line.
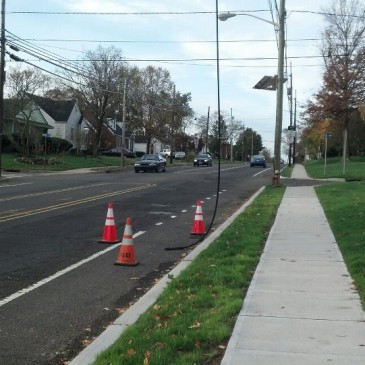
<point x="153" y="164"/>
<point x="136" y="164"/>
<point x="195" y="160"/>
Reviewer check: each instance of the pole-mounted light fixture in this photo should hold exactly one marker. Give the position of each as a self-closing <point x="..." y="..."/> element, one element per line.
<point x="227" y="15"/>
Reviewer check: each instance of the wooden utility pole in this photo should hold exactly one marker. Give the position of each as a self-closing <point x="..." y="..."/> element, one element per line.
<point x="123" y="124"/>
<point x="2" y="78"/>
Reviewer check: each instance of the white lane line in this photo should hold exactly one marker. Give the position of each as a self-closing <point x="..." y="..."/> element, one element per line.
<point x="159" y="223"/>
<point x="60" y="273"/>
<point x="184" y="211"/>
<point x="173" y="216"/>
<point x="259" y="173"/>
<point x="7" y="185"/>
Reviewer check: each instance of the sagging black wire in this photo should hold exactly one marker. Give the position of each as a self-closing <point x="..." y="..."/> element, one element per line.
<point x="219" y="143"/>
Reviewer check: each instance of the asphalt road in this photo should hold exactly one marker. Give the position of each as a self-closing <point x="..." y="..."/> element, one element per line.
<point x="59" y="287"/>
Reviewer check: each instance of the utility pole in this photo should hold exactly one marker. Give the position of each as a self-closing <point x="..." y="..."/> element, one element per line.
<point x="280" y="88"/>
<point x="123" y="124"/>
<point x="2" y="78"/>
<point x="172" y="123"/>
<point x="243" y="143"/>
<point x="207" y="135"/>
<point x="295" y="127"/>
<point x="290" y="91"/>
<point x="252" y="143"/>
<point x="231" y="139"/>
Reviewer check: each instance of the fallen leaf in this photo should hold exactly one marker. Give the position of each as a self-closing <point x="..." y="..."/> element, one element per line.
<point x="131" y="352"/>
<point x="196" y="325"/>
<point x="147" y="356"/>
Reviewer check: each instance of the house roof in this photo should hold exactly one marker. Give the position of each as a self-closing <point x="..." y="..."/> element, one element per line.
<point x="59" y="110"/>
<point x="12" y="111"/>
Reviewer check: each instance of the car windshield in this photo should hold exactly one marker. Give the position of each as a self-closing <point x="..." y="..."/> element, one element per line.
<point x="202" y="156"/>
<point x="258" y="157"/>
<point x="149" y="157"/>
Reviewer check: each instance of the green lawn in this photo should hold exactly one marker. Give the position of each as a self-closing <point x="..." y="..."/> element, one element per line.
<point x="334" y="168"/>
<point x="344" y="206"/>
<point x="61" y="162"/>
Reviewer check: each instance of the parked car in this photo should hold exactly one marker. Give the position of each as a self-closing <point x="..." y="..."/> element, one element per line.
<point x="165" y="152"/>
<point x="203" y="159"/>
<point x="179" y="155"/>
<point x="150" y="162"/>
<point x="258" y="160"/>
<point x="117" y="151"/>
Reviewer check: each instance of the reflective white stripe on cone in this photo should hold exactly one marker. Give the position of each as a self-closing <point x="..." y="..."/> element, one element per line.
<point x="110" y="231"/>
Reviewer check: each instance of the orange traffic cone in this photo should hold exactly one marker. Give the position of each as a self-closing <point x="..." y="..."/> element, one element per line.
<point x="198" y="225"/>
<point x="110" y="233"/>
<point x="126" y="255"/>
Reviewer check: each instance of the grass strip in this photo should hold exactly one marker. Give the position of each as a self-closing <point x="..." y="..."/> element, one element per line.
<point x="344" y="206"/>
<point x="334" y="167"/>
<point x="193" y="319"/>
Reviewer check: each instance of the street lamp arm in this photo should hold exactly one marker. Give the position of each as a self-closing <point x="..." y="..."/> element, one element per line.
<point x="226" y="15"/>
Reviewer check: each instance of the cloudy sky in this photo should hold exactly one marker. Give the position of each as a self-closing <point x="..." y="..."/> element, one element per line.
<point x="180" y="36"/>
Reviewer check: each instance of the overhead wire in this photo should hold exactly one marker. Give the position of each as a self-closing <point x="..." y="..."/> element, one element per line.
<point x="203" y="237"/>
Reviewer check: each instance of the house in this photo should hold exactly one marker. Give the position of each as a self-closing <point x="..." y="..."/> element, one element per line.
<point x="18" y="116"/>
<point x="64" y="119"/>
<point x="64" y="116"/>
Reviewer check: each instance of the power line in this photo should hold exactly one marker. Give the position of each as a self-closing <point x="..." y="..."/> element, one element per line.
<point x="197" y="59"/>
<point x="125" y="13"/>
<point x="165" y="41"/>
<point x="32" y="12"/>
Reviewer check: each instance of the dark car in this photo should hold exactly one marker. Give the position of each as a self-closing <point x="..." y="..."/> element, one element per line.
<point x="117" y="151"/>
<point x="150" y="162"/>
<point x="203" y="159"/>
<point x="258" y="160"/>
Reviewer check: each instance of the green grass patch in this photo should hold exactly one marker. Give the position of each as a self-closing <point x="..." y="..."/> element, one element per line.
<point x="334" y="168"/>
<point x="11" y="162"/>
<point x="193" y="319"/>
<point x="287" y="171"/>
<point x="62" y="162"/>
<point x="344" y="206"/>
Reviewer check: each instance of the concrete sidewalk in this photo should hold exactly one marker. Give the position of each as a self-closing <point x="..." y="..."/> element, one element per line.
<point x="301" y="307"/>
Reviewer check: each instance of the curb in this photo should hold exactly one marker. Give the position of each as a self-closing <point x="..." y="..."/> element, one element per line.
<point x="113" y="332"/>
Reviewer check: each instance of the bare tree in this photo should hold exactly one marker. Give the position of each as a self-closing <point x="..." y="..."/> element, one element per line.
<point x="153" y="91"/>
<point x="343" y="50"/>
<point x="97" y="85"/>
<point x="22" y="84"/>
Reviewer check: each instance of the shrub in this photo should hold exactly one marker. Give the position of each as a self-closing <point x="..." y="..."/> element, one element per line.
<point x="57" y="145"/>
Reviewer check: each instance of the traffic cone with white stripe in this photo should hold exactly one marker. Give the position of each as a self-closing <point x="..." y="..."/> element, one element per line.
<point x="110" y="231"/>
<point x="126" y="255"/>
<point x="198" y="224"/>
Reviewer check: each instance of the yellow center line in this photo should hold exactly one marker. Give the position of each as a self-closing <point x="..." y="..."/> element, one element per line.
<point x="72" y="203"/>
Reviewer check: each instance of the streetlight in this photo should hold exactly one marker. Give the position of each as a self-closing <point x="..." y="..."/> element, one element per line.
<point x="280" y="27"/>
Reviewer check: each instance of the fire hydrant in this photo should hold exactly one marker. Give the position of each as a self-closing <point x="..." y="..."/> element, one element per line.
<point x="276" y="178"/>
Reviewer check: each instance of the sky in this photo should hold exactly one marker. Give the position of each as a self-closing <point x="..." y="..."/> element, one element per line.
<point x="180" y="36"/>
